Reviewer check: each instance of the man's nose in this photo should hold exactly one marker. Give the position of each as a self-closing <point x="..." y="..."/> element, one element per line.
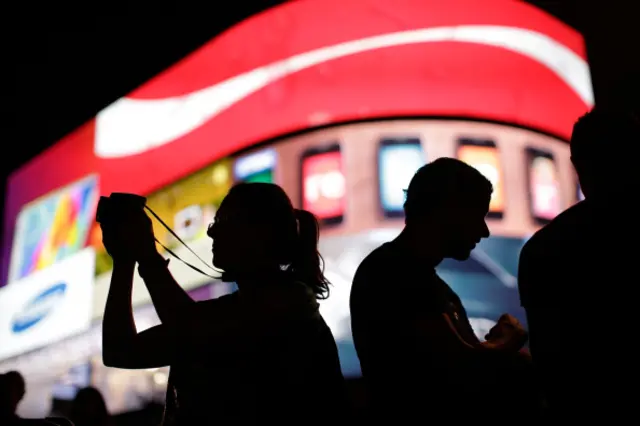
<point x="485" y="230"/>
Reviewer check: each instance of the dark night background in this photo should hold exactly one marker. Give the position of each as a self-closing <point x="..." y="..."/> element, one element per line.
<point x="60" y="74"/>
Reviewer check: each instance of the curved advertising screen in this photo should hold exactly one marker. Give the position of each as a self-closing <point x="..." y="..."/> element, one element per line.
<point x="339" y="103"/>
<point x="352" y="177"/>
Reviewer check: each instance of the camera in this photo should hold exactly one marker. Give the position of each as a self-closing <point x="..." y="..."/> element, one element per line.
<point x="118" y="207"/>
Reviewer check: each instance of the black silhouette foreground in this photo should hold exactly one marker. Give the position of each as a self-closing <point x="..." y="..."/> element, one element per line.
<point x="576" y="277"/>
<point x="260" y="355"/>
<point x="12" y="390"/>
<point x="419" y="354"/>
<point x="89" y="408"/>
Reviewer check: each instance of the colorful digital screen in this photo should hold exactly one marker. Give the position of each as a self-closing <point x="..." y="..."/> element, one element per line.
<point x="380" y="165"/>
<point x="52" y="228"/>
<point x="265" y="176"/>
<point x="255" y="167"/>
<point x="323" y="184"/>
<point x="484" y="156"/>
<point x="212" y="105"/>
<point x="190" y="205"/>
<point x="315" y="84"/>
<point x="398" y="160"/>
<point x="544" y="185"/>
<point x="187" y="206"/>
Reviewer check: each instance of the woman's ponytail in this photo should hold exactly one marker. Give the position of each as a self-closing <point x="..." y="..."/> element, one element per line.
<point x="308" y="265"/>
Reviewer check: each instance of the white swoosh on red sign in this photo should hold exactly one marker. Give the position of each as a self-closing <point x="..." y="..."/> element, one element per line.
<point x="131" y="126"/>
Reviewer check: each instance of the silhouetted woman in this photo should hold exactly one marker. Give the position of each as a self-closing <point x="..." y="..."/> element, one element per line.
<point x="261" y="354"/>
<point x="89" y="408"/>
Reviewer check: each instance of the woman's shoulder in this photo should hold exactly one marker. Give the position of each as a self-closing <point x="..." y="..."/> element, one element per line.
<point x="225" y="300"/>
<point x="296" y="299"/>
<point x="219" y="306"/>
<point x="292" y="302"/>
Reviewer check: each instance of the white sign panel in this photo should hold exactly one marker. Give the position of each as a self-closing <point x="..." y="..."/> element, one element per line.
<point x="47" y="306"/>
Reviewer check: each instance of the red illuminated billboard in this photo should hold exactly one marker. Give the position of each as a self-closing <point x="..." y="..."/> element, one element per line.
<point x="323" y="183"/>
<point x="339" y="103"/>
<point x="299" y="66"/>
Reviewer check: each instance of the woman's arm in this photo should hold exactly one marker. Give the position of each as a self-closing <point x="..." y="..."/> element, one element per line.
<point x="122" y="346"/>
<point x="135" y="237"/>
<point x="170" y="300"/>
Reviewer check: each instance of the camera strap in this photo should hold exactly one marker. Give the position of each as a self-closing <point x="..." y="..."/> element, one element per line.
<point x="184" y="244"/>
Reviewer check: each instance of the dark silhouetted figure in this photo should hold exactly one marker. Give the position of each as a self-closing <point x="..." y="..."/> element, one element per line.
<point x="577" y="273"/>
<point x="262" y="354"/>
<point x="59" y="421"/>
<point x="12" y="390"/>
<point x="89" y="408"/>
<point x="418" y="352"/>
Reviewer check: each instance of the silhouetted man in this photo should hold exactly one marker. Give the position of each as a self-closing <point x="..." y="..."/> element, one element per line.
<point x="12" y="390"/>
<point x="418" y="352"/>
<point x="574" y="275"/>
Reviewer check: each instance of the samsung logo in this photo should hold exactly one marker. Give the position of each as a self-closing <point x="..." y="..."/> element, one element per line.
<point x="38" y="308"/>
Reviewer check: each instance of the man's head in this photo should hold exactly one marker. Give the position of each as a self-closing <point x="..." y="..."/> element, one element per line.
<point x="12" y="390"/>
<point x="446" y="204"/>
<point x="603" y="146"/>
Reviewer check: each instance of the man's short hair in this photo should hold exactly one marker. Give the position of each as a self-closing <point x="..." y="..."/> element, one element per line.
<point x="602" y="135"/>
<point x="444" y="181"/>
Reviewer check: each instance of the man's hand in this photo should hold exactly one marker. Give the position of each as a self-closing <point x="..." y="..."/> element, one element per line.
<point x="507" y="334"/>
